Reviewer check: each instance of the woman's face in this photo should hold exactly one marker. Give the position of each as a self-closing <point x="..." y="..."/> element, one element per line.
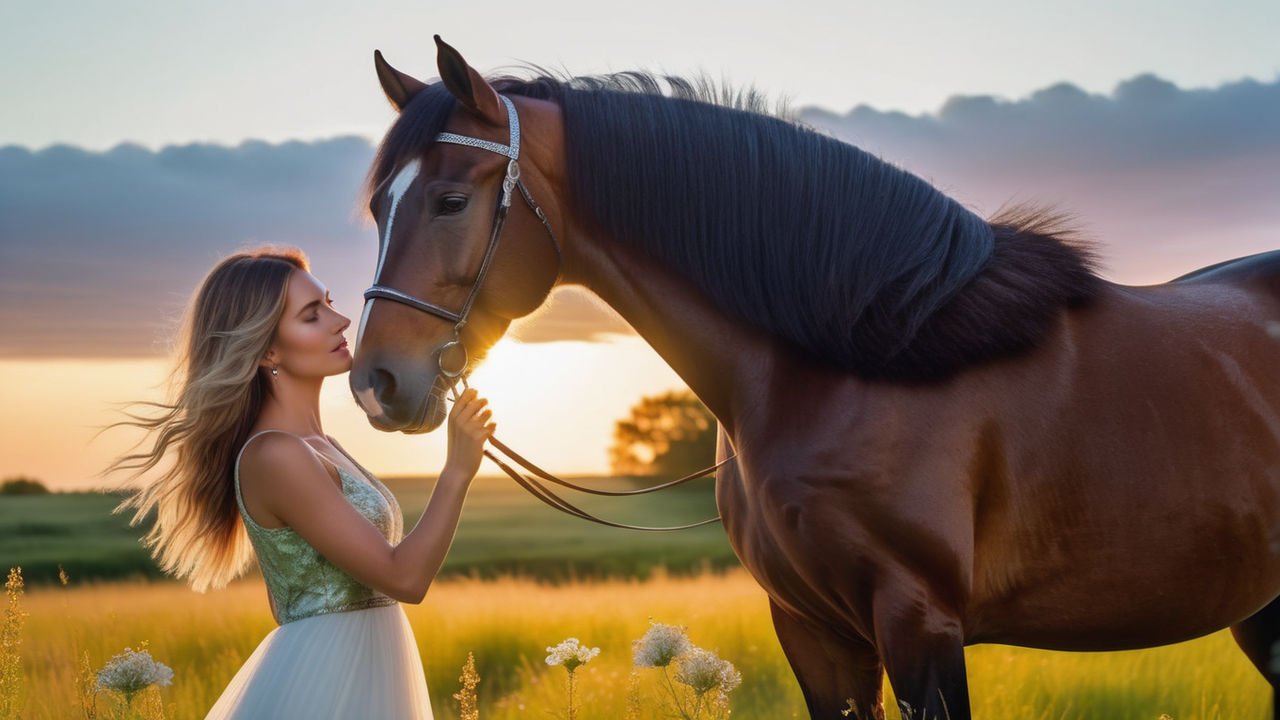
<point x="309" y="341"/>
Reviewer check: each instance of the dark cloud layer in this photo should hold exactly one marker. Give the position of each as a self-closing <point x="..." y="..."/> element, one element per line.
<point x="1162" y="178"/>
<point x="100" y="250"/>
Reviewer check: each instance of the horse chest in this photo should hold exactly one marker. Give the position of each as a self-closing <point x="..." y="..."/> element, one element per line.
<point x="797" y="535"/>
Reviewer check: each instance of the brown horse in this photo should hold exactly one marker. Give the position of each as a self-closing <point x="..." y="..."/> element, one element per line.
<point x="948" y="430"/>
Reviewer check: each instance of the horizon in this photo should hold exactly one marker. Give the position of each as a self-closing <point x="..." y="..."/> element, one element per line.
<point x="373" y="135"/>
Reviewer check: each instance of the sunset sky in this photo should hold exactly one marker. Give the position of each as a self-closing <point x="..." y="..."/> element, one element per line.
<point x="140" y="142"/>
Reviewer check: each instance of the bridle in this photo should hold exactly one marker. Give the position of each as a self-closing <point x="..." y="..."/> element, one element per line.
<point x="451" y="357"/>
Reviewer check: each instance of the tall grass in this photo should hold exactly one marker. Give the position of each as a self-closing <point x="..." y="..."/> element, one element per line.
<point x="509" y="622"/>
<point x="11" y="646"/>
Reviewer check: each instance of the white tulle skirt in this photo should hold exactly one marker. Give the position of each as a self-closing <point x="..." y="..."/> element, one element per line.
<point x="357" y="664"/>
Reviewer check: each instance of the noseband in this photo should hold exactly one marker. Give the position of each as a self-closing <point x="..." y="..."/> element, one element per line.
<point x="452" y="355"/>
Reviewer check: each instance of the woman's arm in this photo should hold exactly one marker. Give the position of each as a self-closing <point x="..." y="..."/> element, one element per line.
<point x="294" y="486"/>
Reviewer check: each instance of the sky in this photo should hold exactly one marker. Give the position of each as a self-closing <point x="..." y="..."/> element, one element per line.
<point x="94" y="74"/>
<point x="140" y="142"/>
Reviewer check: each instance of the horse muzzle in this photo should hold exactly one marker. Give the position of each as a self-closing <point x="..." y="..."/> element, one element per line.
<point x="393" y="404"/>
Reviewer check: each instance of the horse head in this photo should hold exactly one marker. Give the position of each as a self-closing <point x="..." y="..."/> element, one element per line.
<point x="463" y="246"/>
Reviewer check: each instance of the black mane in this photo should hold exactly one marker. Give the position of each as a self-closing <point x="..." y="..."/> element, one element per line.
<point x="856" y="262"/>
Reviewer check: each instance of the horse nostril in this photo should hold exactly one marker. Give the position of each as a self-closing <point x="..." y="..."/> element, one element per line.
<point x="384" y="386"/>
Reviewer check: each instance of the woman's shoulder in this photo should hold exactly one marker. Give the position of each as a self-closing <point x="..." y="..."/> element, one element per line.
<point x="276" y="453"/>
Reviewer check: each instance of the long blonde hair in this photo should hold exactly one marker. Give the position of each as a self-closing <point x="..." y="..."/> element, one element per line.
<point x="217" y="391"/>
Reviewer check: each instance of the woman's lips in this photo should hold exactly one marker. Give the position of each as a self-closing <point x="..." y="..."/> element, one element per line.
<point x="343" y="346"/>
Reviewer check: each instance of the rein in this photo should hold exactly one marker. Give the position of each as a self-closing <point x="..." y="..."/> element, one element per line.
<point x="549" y="496"/>
<point x="452" y="359"/>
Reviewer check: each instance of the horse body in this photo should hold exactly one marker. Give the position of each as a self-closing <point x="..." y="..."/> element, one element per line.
<point x="1116" y="487"/>
<point x="1032" y="514"/>
<point x="1115" y="484"/>
<point x="1133" y="497"/>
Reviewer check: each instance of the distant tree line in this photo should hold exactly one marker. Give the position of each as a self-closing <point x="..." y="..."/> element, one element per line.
<point x="22" y="486"/>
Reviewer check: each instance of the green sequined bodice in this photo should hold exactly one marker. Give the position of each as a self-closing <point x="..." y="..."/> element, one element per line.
<point x="300" y="581"/>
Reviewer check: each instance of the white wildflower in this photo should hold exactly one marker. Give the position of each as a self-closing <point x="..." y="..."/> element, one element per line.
<point x="704" y="671"/>
<point x="660" y="645"/>
<point x="571" y="654"/>
<point x="129" y="673"/>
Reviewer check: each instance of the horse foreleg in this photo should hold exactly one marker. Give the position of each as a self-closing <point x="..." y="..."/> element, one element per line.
<point x="1259" y="637"/>
<point x="922" y="646"/>
<point x="834" y="673"/>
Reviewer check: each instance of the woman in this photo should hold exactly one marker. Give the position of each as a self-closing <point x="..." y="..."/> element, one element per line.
<point x="252" y="467"/>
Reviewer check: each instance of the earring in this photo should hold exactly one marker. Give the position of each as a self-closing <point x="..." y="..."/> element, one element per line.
<point x="274" y="371"/>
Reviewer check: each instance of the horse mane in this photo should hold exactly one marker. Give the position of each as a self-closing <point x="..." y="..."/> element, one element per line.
<point x="854" y="261"/>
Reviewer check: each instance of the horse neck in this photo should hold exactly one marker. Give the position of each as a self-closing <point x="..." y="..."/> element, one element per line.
<point x="717" y="356"/>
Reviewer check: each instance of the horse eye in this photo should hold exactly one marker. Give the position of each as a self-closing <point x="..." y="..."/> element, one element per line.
<point x="452" y="204"/>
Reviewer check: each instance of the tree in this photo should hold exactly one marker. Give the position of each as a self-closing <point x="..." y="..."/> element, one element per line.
<point x="22" y="486"/>
<point x="669" y="435"/>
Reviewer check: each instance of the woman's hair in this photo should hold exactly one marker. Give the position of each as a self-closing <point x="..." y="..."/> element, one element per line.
<point x="217" y="390"/>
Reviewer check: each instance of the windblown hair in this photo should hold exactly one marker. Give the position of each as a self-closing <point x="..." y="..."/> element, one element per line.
<point x="218" y="388"/>
<point x="855" y="262"/>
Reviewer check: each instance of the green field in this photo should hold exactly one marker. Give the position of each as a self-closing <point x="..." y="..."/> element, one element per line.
<point x="76" y="530"/>
<point x="504" y="531"/>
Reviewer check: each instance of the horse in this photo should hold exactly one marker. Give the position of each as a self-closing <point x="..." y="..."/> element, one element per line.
<point x="937" y="429"/>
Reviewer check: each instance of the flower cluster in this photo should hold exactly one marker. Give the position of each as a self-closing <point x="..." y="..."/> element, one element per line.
<point x="708" y="678"/>
<point x="704" y="671"/>
<point x="571" y="654"/>
<point x="129" y="673"/>
<point x="660" y="645"/>
<point x="697" y="681"/>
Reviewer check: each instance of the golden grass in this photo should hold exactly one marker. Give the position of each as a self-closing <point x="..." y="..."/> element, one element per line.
<point x="509" y="622"/>
<point x="11" y="680"/>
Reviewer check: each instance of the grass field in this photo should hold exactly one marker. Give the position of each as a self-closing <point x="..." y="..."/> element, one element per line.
<point x="509" y="622"/>
<point x="504" y="531"/>
<point x="520" y="578"/>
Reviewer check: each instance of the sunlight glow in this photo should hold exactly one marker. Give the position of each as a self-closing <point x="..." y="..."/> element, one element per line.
<point x="556" y="403"/>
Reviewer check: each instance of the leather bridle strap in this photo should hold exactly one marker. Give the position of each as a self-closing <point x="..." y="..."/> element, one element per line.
<point x="512" y="181"/>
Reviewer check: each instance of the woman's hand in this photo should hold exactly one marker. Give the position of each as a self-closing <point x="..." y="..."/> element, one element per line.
<point x="469" y="427"/>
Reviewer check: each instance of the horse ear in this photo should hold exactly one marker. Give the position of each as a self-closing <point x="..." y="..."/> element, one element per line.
<point x="400" y="88"/>
<point x="468" y="86"/>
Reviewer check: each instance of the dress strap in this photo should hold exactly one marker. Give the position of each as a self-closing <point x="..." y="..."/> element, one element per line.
<point x="368" y="476"/>
<point x="236" y="479"/>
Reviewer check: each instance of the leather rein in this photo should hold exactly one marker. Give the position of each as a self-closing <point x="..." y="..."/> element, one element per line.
<point x="451" y="357"/>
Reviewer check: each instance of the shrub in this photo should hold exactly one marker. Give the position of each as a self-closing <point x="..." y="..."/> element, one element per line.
<point x="23" y="486"/>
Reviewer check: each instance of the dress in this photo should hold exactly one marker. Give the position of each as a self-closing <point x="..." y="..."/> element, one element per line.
<point x="342" y="650"/>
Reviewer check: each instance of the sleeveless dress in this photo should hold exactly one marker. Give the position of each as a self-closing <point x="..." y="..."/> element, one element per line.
<point x="342" y="650"/>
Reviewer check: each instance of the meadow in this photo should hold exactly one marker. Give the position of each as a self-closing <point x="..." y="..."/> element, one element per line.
<point x="523" y="578"/>
<point x="508" y="623"/>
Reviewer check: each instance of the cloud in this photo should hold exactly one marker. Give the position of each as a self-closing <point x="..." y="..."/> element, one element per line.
<point x="99" y="251"/>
